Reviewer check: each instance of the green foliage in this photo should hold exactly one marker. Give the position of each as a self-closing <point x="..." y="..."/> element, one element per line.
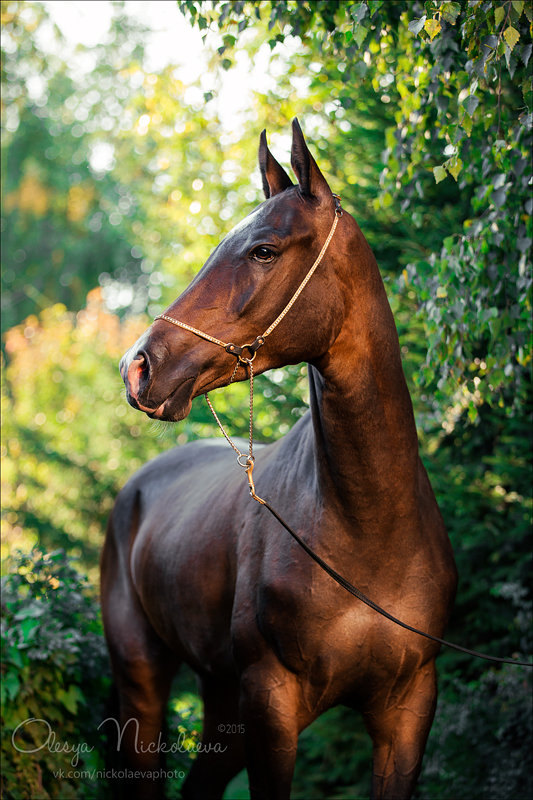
<point x="479" y="743"/>
<point x="72" y="152"/>
<point x="56" y="198"/>
<point x="475" y="291"/>
<point x="70" y="441"/>
<point x="482" y="484"/>
<point x="54" y="671"/>
<point x="56" y="685"/>
<point x="184" y="725"/>
<point x="334" y="758"/>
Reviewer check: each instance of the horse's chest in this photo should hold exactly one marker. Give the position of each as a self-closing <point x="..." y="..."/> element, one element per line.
<point x="327" y="637"/>
<point x="312" y="626"/>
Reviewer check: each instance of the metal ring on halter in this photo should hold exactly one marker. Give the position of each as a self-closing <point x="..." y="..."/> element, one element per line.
<point x="235" y="350"/>
<point x="245" y="360"/>
<point x="249" y="460"/>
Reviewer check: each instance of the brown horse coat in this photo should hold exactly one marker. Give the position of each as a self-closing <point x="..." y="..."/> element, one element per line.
<point x="194" y="570"/>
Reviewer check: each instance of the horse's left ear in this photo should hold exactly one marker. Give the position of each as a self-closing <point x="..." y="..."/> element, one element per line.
<point x="312" y="182"/>
<point x="274" y="177"/>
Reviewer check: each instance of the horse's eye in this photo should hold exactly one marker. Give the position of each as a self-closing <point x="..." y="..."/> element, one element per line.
<point x="263" y="254"/>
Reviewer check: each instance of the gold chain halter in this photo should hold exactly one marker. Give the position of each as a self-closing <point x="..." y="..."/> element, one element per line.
<point x="246" y="361"/>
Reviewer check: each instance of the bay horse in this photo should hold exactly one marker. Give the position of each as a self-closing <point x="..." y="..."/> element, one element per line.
<point x="194" y="571"/>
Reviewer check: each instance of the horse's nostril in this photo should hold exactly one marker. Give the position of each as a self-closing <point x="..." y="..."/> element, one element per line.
<point x="138" y="372"/>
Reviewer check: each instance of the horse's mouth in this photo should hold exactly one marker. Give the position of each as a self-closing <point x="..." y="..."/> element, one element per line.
<point x="176" y="406"/>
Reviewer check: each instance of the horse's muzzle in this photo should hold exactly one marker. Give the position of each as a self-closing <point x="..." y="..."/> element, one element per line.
<point x="135" y="373"/>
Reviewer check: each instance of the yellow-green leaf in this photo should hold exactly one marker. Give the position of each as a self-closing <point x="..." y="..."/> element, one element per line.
<point x="432" y="26"/>
<point x="454" y="166"/>
<point x="441" y="291"/>
<point x="518" y="6"/>
<point x="499" y="13"/>
<point x="360" y="34"/>
<point x="511" y="36"/>
<point x="439" y="173"/>
<point x="467" y="124"/>
<point x="70" y="698"/>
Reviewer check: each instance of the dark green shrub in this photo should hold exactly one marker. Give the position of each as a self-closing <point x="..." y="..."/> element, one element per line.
<point x="334" y="758"/>
<point x="54" y="670"/>
<point x="480" y="743"/>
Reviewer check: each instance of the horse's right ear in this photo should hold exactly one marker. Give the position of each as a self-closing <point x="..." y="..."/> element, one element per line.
<point x="274" y="177"/>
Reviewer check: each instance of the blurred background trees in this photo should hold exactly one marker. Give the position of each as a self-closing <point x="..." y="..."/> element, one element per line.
<point x="118" y="180"/>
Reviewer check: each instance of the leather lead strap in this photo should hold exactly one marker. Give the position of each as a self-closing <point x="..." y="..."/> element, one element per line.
<point x="364" y="599"/>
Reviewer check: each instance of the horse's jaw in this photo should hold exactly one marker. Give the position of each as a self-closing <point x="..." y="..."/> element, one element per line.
<point x="177" y="405"/>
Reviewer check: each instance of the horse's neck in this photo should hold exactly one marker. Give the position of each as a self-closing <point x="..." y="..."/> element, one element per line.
<point x="365" y="436"/>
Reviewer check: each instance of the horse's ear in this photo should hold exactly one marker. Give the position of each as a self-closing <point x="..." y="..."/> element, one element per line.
<point x="312" y="182"/>
<point x="274" y="177"/>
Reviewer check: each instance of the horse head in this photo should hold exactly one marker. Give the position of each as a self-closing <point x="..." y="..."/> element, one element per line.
<point x="241" y="289"/>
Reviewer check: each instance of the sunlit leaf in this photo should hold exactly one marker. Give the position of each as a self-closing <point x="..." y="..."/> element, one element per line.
<point x="432" y="27"/>
<point x="511" y="36"/>
<point x="439" y="173"/>
<point x="360" y="35"/>
<point x="454" y="166"/>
